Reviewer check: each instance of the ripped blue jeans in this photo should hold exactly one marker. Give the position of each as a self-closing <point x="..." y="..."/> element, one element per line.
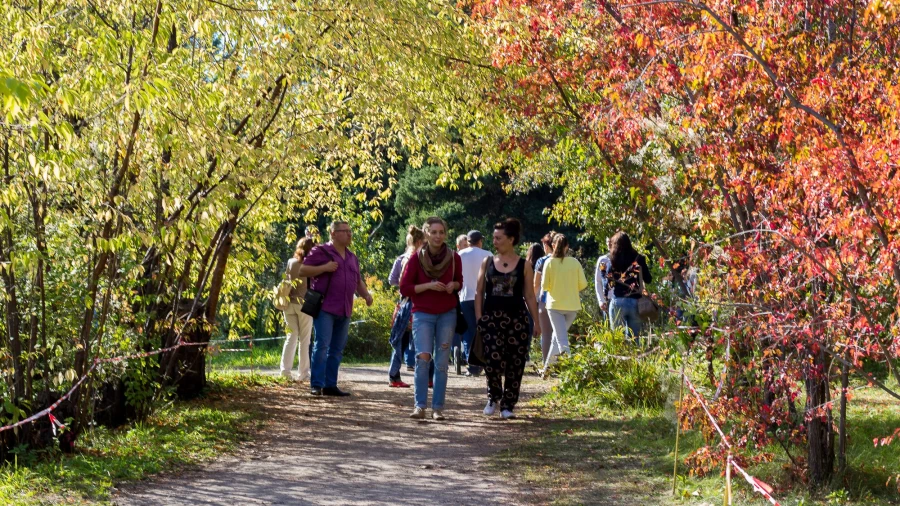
<point x="433" y="334"/>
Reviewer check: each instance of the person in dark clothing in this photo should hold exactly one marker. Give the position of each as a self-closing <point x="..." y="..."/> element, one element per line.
<point x="623" y="281"/>
<point x="503" y="300"/>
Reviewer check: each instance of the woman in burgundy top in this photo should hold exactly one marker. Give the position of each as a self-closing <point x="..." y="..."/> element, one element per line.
<point x="431" y="280"/>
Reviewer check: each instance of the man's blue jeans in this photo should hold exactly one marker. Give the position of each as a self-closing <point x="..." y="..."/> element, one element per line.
<point x="433" y="334"/>
<point x="331" y="337"/>
<point x="468" y="311"/>
<point x="623" y="312"/>
<point x="396" y="357"/>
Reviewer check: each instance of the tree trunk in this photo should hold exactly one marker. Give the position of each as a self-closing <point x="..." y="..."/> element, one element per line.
<point x="842" y="426"/>
<point x="819" y="432"/>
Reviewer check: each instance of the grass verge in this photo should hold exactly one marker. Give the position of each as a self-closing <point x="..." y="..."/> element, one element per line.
<point x="586" y="454"/>
<point x="177" y="435"/>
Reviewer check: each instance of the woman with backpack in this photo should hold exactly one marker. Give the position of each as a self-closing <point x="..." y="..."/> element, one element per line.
<point x="626" y="274"/>
<point x="562" y="278"/>
<point x="401" y="329"/>
<point x="299" y="323"/>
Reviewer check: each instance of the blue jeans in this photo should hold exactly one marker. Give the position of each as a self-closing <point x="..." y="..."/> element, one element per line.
<point x="331" y="337"/>
<point x="433" y="334"/>
<point x="410" y="353"/>
<point x="397" y="357"/>
<point x="623" y="312"/>
<point x="468" y="311"/>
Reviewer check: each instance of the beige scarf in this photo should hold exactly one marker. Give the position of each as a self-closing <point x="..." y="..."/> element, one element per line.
<point x="435" y="271"/>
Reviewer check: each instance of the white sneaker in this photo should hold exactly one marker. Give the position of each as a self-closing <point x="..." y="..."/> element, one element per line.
<point x="507" y="414"/>
<point x="437" y="414"/>
<point x="490" y="408"/>
<point x="418" y="414"/>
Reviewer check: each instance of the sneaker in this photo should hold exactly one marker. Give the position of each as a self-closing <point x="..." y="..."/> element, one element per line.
<point x="418" y="414"/>
<point x="287" y="375"/>
<point x="490" y="408"/>
<point x="437" y="414"/>
<point x="398" y="384"/>
<point x="507" y="414"/>
<point x="470" y="374"/>
<point x="334" y="392"/>
<point x="411" y="368"/>
<point x="315" y="391"/>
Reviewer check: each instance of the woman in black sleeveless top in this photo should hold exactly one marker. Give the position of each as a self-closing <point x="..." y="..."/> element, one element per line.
<point x="503" y="300"/>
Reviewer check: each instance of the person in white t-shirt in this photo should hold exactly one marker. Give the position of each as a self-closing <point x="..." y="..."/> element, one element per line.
<point x="472" y="258"/>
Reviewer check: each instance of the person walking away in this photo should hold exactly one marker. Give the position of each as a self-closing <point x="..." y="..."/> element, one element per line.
<point x="543" y="315"/>
<point x="298" y="322"/>
<point x="471" y="258"/>
<point x="601" y="287"/>
<point x="624" y="275"/>
<point x="431" y="280"/>
<point x="534" y="253"/>
<point x="462" y="242"/>
<point x="401" y="328"/>
<point x="562" y="278"/>
<point x="337" y="274"/>
<point x="503" y="302"/>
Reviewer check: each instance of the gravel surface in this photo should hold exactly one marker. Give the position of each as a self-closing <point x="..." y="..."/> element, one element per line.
<point x="358" y="450"/>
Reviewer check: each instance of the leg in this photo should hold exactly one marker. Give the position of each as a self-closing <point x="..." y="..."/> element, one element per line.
<point x="494" y="348"/>
<point x="306" y="324"/>
<point x="560" y="336"/>
<point x="336" y="349"/>
<point x="410" y="351"/>
<point x="517" y="354"/>
<point x="324" y="325"/>
<point x="290" y="344"/>
<point x="617" y="316"/>
<point x="444" y="331"/>
<point x="423" y="335"/>
<point x="632" y="317"/>
<point x="468" y="310"/>
<point x="546" y="331"/>
<point x="394" y="370"/>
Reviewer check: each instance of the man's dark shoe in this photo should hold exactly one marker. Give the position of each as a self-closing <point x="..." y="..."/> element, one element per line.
<point x="334" y="392"/>
<point x="315" y="391"/>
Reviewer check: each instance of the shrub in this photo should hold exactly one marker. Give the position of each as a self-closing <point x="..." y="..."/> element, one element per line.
<point x="369" y="338"/>
<point x="610" y="369"/>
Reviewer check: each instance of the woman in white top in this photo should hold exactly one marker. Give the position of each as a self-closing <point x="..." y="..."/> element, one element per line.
<point x="299" y="323"/>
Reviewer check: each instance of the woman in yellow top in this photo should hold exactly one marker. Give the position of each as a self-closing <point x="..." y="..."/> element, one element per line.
<point x="562" y="278"/>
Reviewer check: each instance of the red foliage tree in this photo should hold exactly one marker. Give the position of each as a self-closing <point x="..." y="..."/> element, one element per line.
<point x="784" y="121"/>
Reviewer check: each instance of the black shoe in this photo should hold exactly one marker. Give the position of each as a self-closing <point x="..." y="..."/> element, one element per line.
<point x="315" y="391"/>
<point x="334" y="392"/>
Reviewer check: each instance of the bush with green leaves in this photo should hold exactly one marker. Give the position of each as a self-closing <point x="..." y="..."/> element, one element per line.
<point x="609" y="369"/>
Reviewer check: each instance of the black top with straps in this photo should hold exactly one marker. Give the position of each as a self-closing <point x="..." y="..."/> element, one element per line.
<point x="504" y="291"/>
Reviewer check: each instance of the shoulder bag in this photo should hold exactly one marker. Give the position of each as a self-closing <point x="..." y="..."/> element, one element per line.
<point x="461" y="324"/>
<point x="312" y="302"/>
<point x="647" y="309"/>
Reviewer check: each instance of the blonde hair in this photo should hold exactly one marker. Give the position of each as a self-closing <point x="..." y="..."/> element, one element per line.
<point x="413" y="236"/>
<point x="304" y="246"/>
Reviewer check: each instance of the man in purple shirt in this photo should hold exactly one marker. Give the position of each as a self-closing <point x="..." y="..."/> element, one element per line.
<point x="336" y="272"/>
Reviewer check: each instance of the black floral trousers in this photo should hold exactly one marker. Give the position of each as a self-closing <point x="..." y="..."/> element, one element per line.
<point x="505" y="338"/>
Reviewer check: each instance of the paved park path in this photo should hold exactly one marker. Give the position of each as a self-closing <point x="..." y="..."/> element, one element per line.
<point x="361" y="450"/>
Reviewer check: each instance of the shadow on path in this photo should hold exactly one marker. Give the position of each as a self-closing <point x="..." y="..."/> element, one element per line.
<point x="358" y="450"/>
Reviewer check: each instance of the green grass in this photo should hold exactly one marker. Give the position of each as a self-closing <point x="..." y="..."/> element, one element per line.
<point x="267" y="355"/>
<point x="588" y="454"/>
<point x="178" y="435"/>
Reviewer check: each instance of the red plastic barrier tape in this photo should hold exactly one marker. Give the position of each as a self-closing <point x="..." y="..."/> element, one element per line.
<point x="53" y="406"/>
<point x="757" y="484"/>
<point x="706" y="409"/>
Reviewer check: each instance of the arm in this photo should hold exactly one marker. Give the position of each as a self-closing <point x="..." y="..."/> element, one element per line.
<point x="600" y="283"/>
<point x="408" y="286"/>
<point x="645" y="271"/>
<point x="479" y="290"/>
<point x="394" y="278"/>
<point x="456" y="282"/>
<point x="582" y="279"/>
<point x="363" y="291"/>
<point x="536" y="282"/>
<point x="530" y="300"/>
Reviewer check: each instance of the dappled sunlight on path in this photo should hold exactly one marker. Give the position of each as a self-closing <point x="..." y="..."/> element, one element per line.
<point x="357" y="450"/>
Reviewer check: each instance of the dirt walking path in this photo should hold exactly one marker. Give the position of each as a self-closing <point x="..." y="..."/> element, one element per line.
<point x="361" y="450"/>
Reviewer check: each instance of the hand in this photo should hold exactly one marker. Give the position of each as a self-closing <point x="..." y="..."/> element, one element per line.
<point x="603" y="307"/>
<point x="451" y="286"/>
<point x="537" y="328"/>
<point x="330" y="266"/>
<point x="369" y="299"/>
<point x="437" y="286"/>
